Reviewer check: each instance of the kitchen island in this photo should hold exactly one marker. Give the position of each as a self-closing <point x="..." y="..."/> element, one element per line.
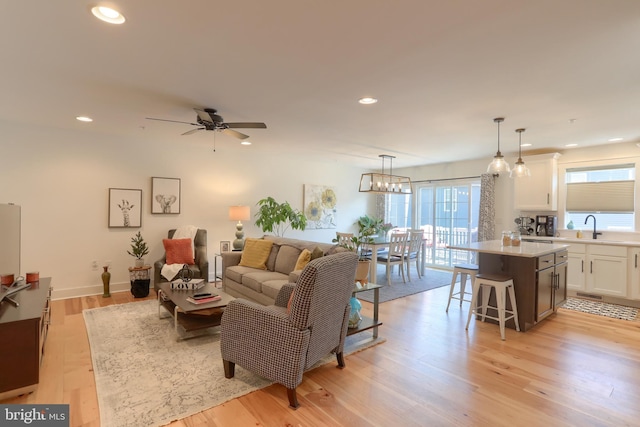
<point x="539" y="272"/>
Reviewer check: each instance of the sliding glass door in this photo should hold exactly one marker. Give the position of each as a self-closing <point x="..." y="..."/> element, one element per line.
<point x="447" y="211"/>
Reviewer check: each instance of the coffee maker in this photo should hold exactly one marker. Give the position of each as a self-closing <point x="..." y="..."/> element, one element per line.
<point x="546" y="225"/>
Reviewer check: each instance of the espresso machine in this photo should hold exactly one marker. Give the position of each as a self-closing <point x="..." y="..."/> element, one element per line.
<point x="546" y="225"/>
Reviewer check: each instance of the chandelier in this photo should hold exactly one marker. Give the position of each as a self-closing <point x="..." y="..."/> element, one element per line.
<point x="386" y="183"/>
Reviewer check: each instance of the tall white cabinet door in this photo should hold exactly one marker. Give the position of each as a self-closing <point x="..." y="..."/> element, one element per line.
<point x="607" y="275"/>
<point x="634" y="273"/>
<point x="575" y="272"/>
<point x="540" y="190"/>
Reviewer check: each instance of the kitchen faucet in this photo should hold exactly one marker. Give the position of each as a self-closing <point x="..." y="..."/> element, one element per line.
<point x="595" y="233"/>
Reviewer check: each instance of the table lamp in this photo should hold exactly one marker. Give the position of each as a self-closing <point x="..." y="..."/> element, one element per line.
<point x="239" y="213"/>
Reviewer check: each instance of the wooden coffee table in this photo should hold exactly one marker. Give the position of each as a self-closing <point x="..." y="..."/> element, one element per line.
<point x="188" y="317"/>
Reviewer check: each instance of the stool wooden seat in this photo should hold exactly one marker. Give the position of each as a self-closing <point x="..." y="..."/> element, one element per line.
<point x="463" y="270"/>
<point x="502" y="285"/>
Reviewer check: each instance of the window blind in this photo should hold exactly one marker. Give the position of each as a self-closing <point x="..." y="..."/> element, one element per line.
<point x="607" y="196"/>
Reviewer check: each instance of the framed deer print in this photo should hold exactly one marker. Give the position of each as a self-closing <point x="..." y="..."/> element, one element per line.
<point x="165" y="195"/>
<point x="125" y="208"/>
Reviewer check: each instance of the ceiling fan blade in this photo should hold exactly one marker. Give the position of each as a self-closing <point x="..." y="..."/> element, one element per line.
<point x="189" y="132"/>
<point x="203" y="115"/>
<point x="235" y="133"/>
<point x="173" y="121"/>
<point x="247" y="125"/>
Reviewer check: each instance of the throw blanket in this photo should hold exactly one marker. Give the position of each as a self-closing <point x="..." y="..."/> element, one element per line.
<point x="169" y="271"/>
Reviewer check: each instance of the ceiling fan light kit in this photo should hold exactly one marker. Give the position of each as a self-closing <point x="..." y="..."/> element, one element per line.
<point x="499" y="164"/>
<point x="385" y="183"/>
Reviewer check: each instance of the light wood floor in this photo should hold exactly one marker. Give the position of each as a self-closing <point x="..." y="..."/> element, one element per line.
<point x="574" y="369"/>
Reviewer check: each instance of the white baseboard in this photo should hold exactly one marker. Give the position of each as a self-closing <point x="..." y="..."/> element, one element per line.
<point x="58" y="293"/>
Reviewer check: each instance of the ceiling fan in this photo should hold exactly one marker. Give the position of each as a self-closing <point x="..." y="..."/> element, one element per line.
<point x="208" y="119"/>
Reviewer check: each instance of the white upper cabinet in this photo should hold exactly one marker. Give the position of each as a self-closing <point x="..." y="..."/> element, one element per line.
<point x="539" y="192"/>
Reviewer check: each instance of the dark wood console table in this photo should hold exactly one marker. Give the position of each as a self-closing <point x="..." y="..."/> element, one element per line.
<point x="23" y="332"/>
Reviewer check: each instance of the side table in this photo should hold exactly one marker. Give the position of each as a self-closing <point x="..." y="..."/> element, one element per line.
<point x="367" y="322"/>
<point x="215" y="266"/>
<point x="140" y="280"/>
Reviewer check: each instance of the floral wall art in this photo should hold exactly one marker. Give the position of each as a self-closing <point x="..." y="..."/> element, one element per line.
<point x="320" y="206"/>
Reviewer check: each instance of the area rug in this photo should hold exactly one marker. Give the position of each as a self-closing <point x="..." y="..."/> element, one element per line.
<point x="146" y="377"/>
<point x="432" y="279"/>
<point x="601" y="308"/>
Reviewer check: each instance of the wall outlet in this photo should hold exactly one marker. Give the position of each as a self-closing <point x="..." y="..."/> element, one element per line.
<point x="94" y="265"/>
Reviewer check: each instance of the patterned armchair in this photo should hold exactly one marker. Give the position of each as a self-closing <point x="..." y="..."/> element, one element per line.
<point x="279" y="343"/>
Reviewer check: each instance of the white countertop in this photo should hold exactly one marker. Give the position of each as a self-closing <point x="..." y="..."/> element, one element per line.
<point x="587" y="240"/>
<point x="526" y="249"/>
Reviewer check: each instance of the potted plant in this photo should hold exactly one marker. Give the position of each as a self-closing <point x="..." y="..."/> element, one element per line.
<point x="138" y="249"/>
<point x="369" y="226"/>
<point x="277" y="217"/>
<point x="358" y="244"/>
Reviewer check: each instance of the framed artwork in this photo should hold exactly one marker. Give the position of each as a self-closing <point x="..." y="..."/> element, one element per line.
<point x="165" y="195"/>
<point x="125" y="208"/>
<point x="225" y="246"/>
<point x="320" y="206"/>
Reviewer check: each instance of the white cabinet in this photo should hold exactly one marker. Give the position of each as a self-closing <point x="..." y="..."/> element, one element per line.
<point x="634" y="273"/>
<point x="576" y="269"/>
<point x="606" y="270"/>
<point x="599" y="269"/>
<point x="539" y="192"/>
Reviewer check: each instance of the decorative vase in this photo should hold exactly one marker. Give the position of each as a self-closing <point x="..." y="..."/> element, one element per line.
<point x="139" y="262"/>
<point x="106" y="278"/>
<point x="354" y="315"/>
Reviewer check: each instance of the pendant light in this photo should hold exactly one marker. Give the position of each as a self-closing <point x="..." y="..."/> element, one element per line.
<point x="519" y="170"/>
<point x="499" y="164"/>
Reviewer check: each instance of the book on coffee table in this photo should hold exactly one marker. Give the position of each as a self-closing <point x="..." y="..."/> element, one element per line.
<point x="204" y="300"/>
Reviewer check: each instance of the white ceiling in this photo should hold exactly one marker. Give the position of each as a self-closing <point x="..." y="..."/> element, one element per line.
<point x="442" y="71"/>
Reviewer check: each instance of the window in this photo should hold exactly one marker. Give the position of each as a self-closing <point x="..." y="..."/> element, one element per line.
<point x="607" y="191"/>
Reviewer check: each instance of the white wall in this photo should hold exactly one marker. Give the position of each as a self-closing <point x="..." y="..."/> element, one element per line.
<point x="61" y="180"/>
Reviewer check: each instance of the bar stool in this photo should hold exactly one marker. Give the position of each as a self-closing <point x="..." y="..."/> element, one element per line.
<point x="463" y="270"/>
<point x="502" y="285"/>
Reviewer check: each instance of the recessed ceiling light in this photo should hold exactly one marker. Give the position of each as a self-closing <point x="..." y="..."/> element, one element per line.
<point x="367" y="100"/>
<point x="615" y="139"/>
<point x="107" y="14"/>
<point x="84" y="119"/>
<point x="526" y="145"/>
<point x="245" y="143"/>
<point x="571" y="145"/>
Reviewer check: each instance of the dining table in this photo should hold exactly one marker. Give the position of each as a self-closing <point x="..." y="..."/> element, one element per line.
<point x="381" y="243"/>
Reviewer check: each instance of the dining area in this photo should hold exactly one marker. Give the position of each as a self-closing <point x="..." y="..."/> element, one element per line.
<point x="404" y="248"/>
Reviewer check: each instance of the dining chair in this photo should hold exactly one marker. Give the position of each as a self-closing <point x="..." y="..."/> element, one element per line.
<point x="344" y="239"/>
<point x="395" y="255"/>
<point x="414" y="246"/>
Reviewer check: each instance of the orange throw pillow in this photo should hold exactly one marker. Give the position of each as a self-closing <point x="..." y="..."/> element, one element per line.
<point x="178" y="251"/>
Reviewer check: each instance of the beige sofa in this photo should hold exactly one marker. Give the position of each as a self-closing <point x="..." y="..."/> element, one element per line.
<point x="262" y="286"/>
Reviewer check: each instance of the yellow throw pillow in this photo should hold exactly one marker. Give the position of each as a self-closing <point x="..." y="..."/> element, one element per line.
<point x="255" y="253"/>
<point x="303" y="259"/>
